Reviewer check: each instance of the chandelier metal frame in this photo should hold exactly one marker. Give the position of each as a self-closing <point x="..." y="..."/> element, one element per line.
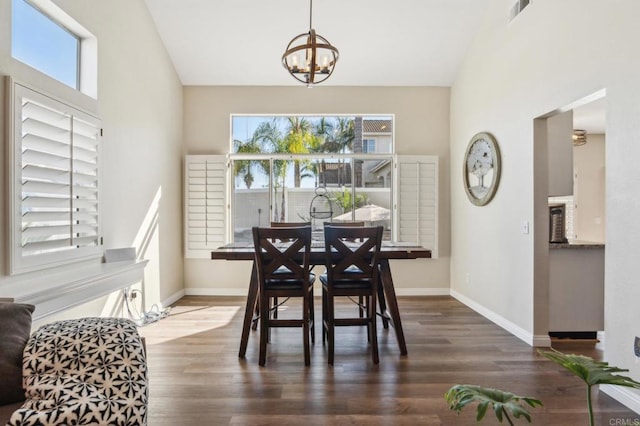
<point x="318" y="59"/>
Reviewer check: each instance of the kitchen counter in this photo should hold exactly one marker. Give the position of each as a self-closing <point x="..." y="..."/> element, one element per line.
<point x="576" y="287"/>
<point x="577" y="244"/>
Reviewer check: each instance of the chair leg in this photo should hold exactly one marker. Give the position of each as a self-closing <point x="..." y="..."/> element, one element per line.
<point x="383" y="307"/>
<point x="275" y="307"/>
<point x="312" y="321"/>
<point x="324" y="316"/>
<point x="361" y="310"/>
<point x="330" y="327"/>
<point x="371" y="307"/>
<point x="305" y="329"/>
<point x="256" y="314"/>
<point x="367" y="312"/>
<point x="264" y="329"/>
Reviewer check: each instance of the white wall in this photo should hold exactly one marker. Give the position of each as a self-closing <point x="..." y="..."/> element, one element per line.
<point x="140" y="103"/>
<point x="422" y="127"/>
<point x="514" y="73"/>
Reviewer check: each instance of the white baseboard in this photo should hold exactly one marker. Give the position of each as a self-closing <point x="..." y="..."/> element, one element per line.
<point x="243" y="292"/>
<point x="215" y="291"/>
<point x="601" y="342"/>
<point x="516" y="330"/>
<point x="422" y="291"/>
<point x="625" y="396"/>
<point x="173" y="298"/>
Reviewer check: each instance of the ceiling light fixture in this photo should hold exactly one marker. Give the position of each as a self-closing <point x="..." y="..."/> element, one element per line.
<point x="309" y="57"/>
<point x="579" y="137"/>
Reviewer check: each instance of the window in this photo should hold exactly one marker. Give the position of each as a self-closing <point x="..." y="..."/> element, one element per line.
<point x="44" y="44"/>
<point x="55" y="187"/>
<point x="280" y="165"/>
<point x="44" y="37"/>
<point x="368" y="145"/>
<point x="308" y="169"/>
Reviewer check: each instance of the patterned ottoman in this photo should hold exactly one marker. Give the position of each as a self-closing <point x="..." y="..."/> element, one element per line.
<point x="84" y="371"/>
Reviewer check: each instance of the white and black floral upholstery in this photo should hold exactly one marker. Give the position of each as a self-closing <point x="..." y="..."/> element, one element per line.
<point x="84" y="371"/>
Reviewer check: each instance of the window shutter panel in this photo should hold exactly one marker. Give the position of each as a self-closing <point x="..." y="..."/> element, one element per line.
<point x="55" y="191"/>
<point x="205" y="204"/>
<point x="417" y="201"/>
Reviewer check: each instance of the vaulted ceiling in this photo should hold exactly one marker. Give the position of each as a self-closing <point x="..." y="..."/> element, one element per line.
<point x="381" y="42"/>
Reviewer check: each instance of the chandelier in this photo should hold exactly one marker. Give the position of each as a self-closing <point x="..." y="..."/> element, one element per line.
<point x="579" y="137"/>
<point x="309" y="57"/>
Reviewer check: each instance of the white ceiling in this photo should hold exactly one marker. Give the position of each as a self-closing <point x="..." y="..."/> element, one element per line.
<point x="381" y="42"/>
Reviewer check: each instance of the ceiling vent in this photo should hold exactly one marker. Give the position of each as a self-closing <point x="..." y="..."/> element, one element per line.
<point x="517" y="8"/>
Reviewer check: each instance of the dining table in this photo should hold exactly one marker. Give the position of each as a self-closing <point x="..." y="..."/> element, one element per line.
<point x="389" y="309"/>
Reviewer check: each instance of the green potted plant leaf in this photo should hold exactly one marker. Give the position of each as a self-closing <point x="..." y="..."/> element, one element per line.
<point x="591" y="372"/>
<point x="502" y="402"/>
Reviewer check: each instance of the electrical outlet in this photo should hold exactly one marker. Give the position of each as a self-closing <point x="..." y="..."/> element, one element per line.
<point x="636" y="346"/>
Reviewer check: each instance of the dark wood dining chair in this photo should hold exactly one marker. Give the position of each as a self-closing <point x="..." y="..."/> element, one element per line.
<point x="351" y="255"/>
<point x="381" y="300"/>
<point x="361" y="307"/>
<point x="282" y="257"/>
<point x="276" y="305"/>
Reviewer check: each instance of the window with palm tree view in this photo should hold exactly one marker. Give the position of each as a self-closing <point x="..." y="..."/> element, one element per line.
<point x="311" y="169"/>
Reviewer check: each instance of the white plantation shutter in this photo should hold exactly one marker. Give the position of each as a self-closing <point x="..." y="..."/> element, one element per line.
<point x="205" y="204"/>
<point x="55" y="175"/>
<point x="417" y="201"/>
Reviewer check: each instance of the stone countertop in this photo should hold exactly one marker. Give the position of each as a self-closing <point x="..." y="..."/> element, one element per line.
<point x="577" y="244"/>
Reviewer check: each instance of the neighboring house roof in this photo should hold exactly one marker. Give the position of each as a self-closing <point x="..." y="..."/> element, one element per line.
<point x="381" y="165"/>
<point x="377" y="126"/>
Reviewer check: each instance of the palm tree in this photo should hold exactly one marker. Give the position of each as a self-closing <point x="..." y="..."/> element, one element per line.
<point x="344" y="137"/>
<point x="299" y="139"/>
<point x="266" y="138"/>
<point x="244" y="168"/>
<point x="324" y="130"/>
<point x="324" y="142"/>
<point x="345" y="133"/>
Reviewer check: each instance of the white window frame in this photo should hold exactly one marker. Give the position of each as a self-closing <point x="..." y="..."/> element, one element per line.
<point x="76" y="182"/>
<point x="414" y="198"/>
<point x="87" y="66"/>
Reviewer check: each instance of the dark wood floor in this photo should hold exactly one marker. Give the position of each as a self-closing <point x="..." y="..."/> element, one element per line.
<point x="196" y="377"/>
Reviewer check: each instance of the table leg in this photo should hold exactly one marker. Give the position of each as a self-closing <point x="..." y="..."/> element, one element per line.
<point x="248" y="310"/>
<point x="392" y="303"/>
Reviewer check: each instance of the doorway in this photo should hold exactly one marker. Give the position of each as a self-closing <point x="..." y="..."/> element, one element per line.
<point x="552" y="263"/>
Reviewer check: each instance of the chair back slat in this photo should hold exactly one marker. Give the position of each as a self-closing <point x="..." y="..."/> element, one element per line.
<point x="282" y="253"/>
<point x="352" y="252"/>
